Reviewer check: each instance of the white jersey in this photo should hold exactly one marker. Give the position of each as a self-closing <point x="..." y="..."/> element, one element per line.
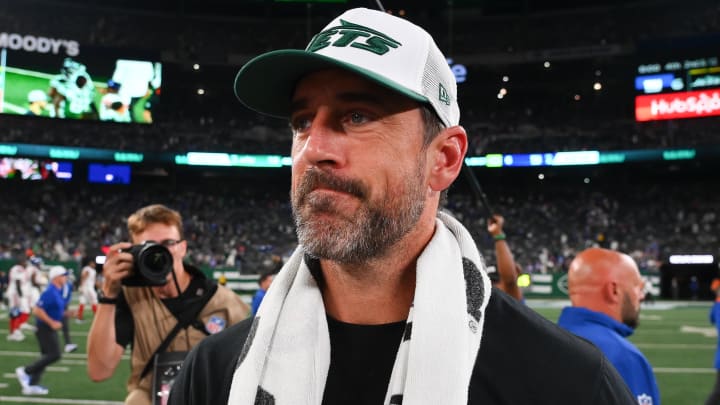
<point x="88" y="277"/>
<point x="21" y="277"/>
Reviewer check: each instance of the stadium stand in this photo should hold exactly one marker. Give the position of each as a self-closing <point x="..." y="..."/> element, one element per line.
<point x="252" y="219"/>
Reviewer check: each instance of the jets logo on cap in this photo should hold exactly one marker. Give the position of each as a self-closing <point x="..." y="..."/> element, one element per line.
<point x="354" y="35"/>
<point x="443" y="95"/>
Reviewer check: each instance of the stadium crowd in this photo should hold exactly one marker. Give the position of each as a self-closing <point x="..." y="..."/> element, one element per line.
<point x="248" y="225"/>
<point x="245" y="224"/>
<point x="531" y="119"/>
<point x="227" y="134"/>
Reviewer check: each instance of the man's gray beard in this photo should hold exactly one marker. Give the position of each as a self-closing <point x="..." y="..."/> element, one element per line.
<point x="370" y="233"/>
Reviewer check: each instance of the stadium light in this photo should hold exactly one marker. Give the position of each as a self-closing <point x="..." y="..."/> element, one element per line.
<point x="691" y="259"/>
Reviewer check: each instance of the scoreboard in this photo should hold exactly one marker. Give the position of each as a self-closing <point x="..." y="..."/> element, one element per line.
<point x="678" y="88"/>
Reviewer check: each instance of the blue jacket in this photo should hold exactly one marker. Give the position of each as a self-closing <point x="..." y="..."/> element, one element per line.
<point x="715" y="320"/>
<point x="257" y="299"/>
<point x="52" y="302"/>
<point x="610" y="336"/>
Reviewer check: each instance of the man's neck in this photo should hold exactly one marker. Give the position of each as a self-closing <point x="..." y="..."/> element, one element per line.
<point x="377" y="291"/>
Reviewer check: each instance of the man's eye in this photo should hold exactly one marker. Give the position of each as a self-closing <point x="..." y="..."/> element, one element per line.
<point x="358" y="118"/>
<point x="300" y="124"/>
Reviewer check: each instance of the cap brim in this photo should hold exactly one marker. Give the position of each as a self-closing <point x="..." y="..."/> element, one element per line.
<point x="266" y="83"/>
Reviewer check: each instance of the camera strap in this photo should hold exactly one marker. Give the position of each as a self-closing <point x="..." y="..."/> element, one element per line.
<point x="185" y="319"/>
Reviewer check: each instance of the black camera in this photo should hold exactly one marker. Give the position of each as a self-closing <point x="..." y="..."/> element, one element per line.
<point x="152" y="262"/>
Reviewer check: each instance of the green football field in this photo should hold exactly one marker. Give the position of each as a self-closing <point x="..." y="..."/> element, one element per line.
<point x="676" y="338"/>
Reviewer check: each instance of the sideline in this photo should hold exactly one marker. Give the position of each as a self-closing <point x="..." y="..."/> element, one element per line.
<point x="81" y="356"/>
<point x="646" y="306"/>
<point x="36" y="400"/>
<point x="673" y="370"/>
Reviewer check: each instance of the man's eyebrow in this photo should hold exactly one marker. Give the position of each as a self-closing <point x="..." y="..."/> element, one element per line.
<point x="297" y="105"/>
<point x="350" y="96"/>
<point x="361" y="96"/>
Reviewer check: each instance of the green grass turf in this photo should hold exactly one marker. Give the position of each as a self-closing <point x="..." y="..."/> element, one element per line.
<point x="67" y="378"/>
<point x="683" y="360"/>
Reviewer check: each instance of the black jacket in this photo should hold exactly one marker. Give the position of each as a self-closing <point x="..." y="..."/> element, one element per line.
<point x="523" y="359"/>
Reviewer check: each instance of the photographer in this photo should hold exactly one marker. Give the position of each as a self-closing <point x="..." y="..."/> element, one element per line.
<point x="152" y="300"/>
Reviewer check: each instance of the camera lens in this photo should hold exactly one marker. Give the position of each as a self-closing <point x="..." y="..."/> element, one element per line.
<point x="154" y="263"/>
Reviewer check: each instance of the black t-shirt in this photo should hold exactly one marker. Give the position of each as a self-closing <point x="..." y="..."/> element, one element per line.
<point x="124" y="325"/>
<point x="523" y="359"/>
<point x="361" y="361"/>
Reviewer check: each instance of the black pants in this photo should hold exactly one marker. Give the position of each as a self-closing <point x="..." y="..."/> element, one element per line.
<point x="66" y="329"/>
<point x="714" y="398"/>
<point x="50" y="350"/>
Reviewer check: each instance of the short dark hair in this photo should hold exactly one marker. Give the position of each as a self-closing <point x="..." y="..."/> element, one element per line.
<point x="154" y="214"/>
<point x="432" y="124"/>
<point x="87" y="260"/>
<point x="264" y="276"/>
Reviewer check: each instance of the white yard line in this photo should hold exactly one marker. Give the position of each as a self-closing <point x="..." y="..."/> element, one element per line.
<point x="57" y="369"/>
<point x="36" y="400"/>
<point x="675" y="370"/>
<point x="73" y="362"/>
<point x="28" y="333"/>
<point x="688" y="346"/>
<point x="35" y="354"/>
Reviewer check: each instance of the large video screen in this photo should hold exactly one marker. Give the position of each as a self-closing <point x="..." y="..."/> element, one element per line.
<point x="108" y="174"/>
<point x="33" y="169"/>
<point x="59" y="78"/>
<point x="678" y="88"/>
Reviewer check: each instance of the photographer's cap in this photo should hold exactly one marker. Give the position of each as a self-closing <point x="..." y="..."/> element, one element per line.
<point x="388" y="50"/>
<point x="57" y="271"/>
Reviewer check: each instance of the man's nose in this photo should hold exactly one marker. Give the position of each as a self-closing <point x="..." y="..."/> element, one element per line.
<point x="323" y="143"/>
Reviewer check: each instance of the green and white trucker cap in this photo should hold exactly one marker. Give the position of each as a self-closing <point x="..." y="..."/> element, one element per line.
<point x="388" y="50"/>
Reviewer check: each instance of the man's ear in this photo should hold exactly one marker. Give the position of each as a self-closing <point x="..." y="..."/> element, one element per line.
<point x="611" y="292"/>
<point x="446" y="156"/>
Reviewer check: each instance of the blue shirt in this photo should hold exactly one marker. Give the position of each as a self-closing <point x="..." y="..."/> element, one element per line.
<point x="609" y="336"/>
<point x="715" y="320"/>
<point x="257" y="299"/>
<point x="52" y="302"/>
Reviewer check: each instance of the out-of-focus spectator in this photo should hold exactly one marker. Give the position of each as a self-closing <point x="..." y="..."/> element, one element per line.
<point x="264" y="283"/>
<point x="506" y="276"/>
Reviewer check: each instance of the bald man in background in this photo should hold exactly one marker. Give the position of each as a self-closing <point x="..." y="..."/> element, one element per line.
<point x="605" y="290"/>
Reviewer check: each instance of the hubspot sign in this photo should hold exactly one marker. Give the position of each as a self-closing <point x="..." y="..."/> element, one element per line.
<point x="689" y="104"/>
